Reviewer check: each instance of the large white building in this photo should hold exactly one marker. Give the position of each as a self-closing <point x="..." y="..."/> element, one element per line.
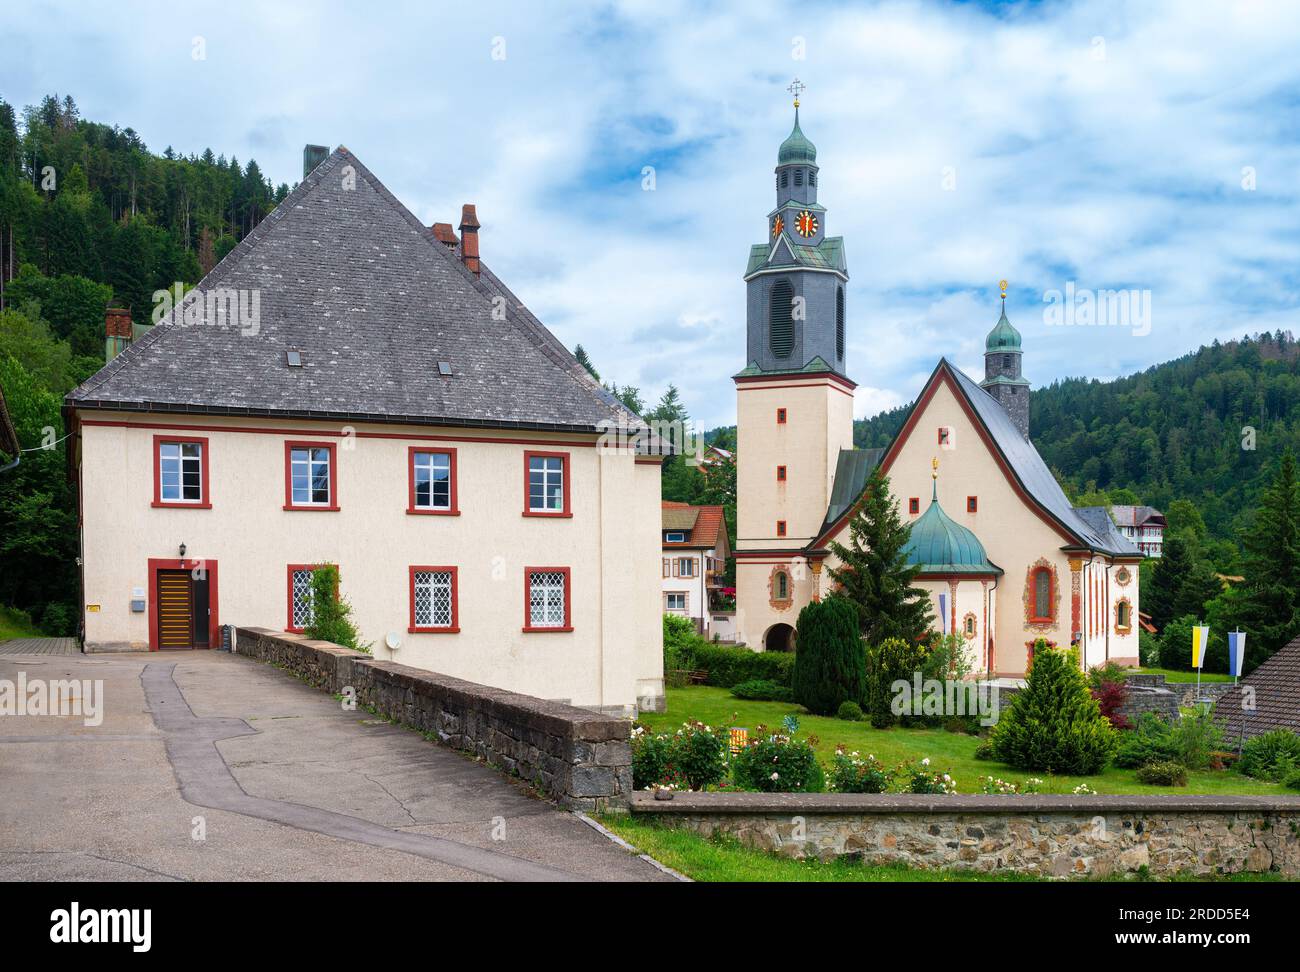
<point x="371" y="397"/>
<point x="1005" y="557"/>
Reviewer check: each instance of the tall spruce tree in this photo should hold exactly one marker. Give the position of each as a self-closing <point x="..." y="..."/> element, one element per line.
<point x="1167" y="577"/>
<point x="874" y="573"/>
<point x="830" y="667"/>
<point x="1270" y="610"/>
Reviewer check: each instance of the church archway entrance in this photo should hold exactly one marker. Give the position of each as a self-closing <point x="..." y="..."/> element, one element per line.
<point x="779" y="637"/>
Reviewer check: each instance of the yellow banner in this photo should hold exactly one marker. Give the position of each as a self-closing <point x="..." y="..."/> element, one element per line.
<point x="1200" y="637"/>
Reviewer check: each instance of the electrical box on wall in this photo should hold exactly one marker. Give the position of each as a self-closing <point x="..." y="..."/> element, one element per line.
<point x="137" y="605"/>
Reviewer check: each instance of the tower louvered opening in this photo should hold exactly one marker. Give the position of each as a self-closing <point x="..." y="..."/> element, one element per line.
<point x="781" y="319"/>
<point x="839" y="323"/>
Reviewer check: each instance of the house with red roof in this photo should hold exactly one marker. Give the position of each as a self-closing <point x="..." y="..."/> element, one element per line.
<point x="695" y="551"/>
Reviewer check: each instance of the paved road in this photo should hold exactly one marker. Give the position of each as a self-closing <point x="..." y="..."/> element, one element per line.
<point x="40" y="646"/>
<point x="278" y="781"/>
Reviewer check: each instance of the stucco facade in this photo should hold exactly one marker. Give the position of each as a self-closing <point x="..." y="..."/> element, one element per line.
<point x="608" y="657"/>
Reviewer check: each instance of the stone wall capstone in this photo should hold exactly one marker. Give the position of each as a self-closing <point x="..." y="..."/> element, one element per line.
<point x="580" y="759"/>
<point x="1049" y="835"/>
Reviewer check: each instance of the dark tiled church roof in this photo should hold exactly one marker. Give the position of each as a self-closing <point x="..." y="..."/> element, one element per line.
<point x="373" y="301"/>
<point x="1276" y="685"/>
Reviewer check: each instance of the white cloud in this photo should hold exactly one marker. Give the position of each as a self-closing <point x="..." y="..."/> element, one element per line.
<point x="1122" y="172"/>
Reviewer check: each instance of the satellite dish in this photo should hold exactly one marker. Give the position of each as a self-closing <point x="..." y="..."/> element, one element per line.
<point x="392" y="641"/>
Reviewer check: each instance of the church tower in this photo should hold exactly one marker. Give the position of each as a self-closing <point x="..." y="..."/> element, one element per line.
<point x="794" y="400"/>
<point x="1002" y="377"/>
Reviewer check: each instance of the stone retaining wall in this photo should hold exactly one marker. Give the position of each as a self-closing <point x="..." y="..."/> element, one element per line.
<point x="1047" y="835"/>
<point x="581" y="759"/>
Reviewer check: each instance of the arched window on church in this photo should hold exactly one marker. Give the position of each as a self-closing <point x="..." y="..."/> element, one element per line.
<point x="781" y="319"/>
<point x="1123" y="616"/>
<point x="782" y="585"/>
<point x="839" y="323"/>
<point x="1042" y="593"/>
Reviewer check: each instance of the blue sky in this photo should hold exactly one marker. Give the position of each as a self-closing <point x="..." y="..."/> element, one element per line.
<point x="1151" y="146"/>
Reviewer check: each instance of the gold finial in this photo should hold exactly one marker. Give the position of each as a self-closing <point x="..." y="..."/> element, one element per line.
<point x="796" y="89"/>
<point x="934" y="465"/>
<point x="1002" y="285"/>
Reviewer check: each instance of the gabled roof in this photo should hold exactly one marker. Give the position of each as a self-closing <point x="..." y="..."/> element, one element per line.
<point x="1136" y="516"/>
<point x="347" y="276"/>
<point x="707" y="524"/>
<point x="1276" y="685"/>
<point x="852" y="470"/>
<point x="1098" y="517"/>
<point x="1019" y="459"/>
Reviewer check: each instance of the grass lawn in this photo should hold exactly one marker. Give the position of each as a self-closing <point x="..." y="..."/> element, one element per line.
<point x="15" y="624"/>
<point x="949" y="752"/>
<point x="725" y="859"/>
<point x="1173" y="675"/>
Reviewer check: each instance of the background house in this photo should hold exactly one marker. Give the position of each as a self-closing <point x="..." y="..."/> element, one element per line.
<point x="695" y="551"/>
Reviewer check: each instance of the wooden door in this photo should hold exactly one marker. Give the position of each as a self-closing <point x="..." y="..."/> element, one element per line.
<point x="175" y="602"/>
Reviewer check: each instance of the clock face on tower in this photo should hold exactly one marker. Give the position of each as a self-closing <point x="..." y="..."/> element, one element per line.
<point x="778" y="224"/>
<point x="806" y="224"/>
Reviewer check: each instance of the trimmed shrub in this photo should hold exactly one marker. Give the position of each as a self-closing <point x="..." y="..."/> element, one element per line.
<point x="762" y="690"/>
<point x="1110" y="673"/>
<point x="727" y="666"/>
<point x="1162" y="774"/>
<point x="984" y="751"/>
<point x="1292" y="782"/>
<point x="1110" y="697"/>
<point x="1150" y="742"/>
<point x="692" y="758"/>
<point x="1271" y="756"/>
<point x="891" y="660"/>
<point x="778" y="764"/>
<point x="849" y="711"/>
<point x="830" y="666"/>
<point x="680" y="642"/>
<point x="852" y="773"/>
<point x="1053" y="723"/>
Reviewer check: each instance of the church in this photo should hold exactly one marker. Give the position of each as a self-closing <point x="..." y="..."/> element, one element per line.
<point x="1002" y="553"/>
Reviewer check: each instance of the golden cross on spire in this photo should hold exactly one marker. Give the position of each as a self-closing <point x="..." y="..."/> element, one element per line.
<point x="934" y="465"/>
<point x="796" y="89"/>
<point x="1002" y="285"/>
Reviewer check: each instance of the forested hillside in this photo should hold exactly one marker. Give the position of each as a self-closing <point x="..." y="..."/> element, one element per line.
<point x="1179" y="430"/>
<point x="88" y="217"/>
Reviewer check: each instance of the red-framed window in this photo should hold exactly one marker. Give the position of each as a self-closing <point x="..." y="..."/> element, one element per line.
<point x="548" y="599"/>
<point x="434" y="600"/>
<point x="546" y="484"/>
<point x="780" y="474"/>
<point x="431" y="481"/>
<point x="311" y="476"/>
<point x="972" y="504"/>
<point x="298" y="614"/>
<point x="914" y="504"/>
<point x="1042" y="591"/>
<point x="180" y="472"/>
<point x="780" y="416"/>
<point x="780" y="528"/>
<point x="945" y="435"/>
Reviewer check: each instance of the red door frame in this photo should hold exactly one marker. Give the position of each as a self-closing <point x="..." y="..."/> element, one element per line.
<point x="156" y="565"/>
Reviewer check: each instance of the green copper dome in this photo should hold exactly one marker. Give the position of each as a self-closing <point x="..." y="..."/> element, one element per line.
<point x="1003" y="337"/>
<point x="797" y="148"/>
<point x="939" y="545"/>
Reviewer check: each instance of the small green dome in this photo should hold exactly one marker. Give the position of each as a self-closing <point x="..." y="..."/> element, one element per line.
<point x="1003" y="337"/>
<point x="939" y="545"/>
<point x="797" y="148"/>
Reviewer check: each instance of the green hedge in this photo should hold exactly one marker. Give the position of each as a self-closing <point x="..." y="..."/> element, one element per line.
<point x="729" y="666"/>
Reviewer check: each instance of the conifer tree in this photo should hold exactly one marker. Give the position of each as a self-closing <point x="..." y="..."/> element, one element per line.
<point x="1270" y="609"/>
<point x="874" y="573"/>
<point x="830" y="667"/>
<point x="1054" y="723"/>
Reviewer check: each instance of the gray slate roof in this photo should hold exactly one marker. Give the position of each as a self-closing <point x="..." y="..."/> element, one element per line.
<point x="1099" y="518"/>
<point x="853" y="468"/>
<point x="1032" y="473"/>
<point x="353" y="280"/>
<point x="1276" y="684"/>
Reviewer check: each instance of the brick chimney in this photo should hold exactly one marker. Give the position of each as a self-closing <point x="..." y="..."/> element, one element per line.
<point x="117" y="331"/>
<point x="444" y="234"/>
<point x="469" y="238"/>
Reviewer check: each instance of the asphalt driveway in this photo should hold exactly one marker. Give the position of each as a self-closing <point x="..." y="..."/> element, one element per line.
<point x="208" y="766"/>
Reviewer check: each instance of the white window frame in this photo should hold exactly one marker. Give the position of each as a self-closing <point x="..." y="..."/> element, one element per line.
<point x="431" y="465"/>
<point x="668" y="602"/>
<point x="311" y="463"/>
<point x="181" y="460"/>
